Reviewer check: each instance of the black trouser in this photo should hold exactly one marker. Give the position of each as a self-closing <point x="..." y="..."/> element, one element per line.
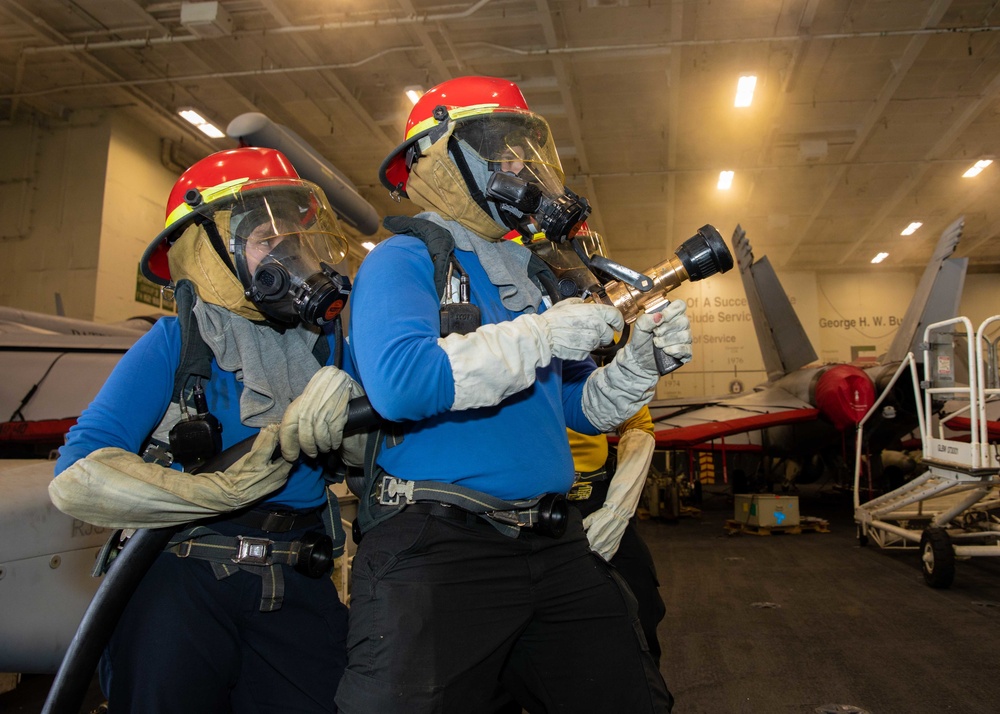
<point x="635" y="563"/>
<point x="190" y="643"/>
<point x="446" y="613"/>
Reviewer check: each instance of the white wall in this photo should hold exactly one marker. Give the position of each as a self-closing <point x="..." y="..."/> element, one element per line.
<point x="980" y="297"/>
<point x="78" y="205"/>
<point x="51" y="194"/>
<point x="135" y="196"/>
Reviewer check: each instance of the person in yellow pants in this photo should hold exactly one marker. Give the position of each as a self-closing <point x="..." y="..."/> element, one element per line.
<point x="606" y="491"/>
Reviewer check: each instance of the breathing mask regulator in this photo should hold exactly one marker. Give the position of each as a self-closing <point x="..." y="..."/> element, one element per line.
<point x="529" y="210"/>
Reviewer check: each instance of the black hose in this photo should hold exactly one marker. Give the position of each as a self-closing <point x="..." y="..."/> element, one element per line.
<point x="137" y="555"/>
<point x="99" y="621"/>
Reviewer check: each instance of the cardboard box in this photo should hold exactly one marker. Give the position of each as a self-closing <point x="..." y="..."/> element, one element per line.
<point x="765" y="509"/>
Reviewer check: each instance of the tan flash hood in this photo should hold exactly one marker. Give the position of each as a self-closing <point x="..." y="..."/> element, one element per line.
<point x="436" y="183"/>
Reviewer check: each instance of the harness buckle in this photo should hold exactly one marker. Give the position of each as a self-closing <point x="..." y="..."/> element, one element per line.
<point x="253" y="551"/>
<point x="392" y="489"/>
<point x="519" y="519"/>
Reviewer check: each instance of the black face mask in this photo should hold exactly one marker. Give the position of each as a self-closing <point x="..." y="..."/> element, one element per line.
<point x="525" y="208"/>
<point x="289" y="285"/>
<point x="286" y="298"/>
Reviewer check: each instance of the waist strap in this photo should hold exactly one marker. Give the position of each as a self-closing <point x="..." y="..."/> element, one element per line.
<point x="508" y="517"/>
<point x="240" y="550"/>
<point x="260" y="556"/>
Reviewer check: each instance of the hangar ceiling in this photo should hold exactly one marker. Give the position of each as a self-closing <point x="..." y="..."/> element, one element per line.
<point x="866" y="114"/>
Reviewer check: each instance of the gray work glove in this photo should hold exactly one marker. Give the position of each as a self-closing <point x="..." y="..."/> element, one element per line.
<point x="574" y="328"/>
<point x="606" y="525"/>
<point x="115" y="488"/>
<point x="314" y="422"/>
<point x="617" y="391"/>
<point x="499" y="360"/>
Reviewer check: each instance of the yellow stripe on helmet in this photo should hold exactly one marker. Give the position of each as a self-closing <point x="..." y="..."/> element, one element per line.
<point x="229" y="188"/>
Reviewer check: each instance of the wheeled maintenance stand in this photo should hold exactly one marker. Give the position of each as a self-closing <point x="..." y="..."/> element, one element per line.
<point x="949" y="511"/>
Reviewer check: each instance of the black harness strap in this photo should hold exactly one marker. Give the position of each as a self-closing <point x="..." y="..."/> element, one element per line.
<point x="196" y="355"/>
<point x="438" y="240"/>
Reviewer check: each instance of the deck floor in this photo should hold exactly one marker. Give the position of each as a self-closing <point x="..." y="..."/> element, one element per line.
<point x="799" y="623"/>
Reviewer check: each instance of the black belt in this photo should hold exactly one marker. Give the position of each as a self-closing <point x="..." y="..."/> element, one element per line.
<point x="443" y="510"/>
<point x="600" y="474"/>
<point x="547" y="518"/>
<point x="278" y="521"/>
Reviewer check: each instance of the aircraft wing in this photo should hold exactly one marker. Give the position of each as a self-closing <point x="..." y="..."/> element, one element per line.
<point x="684" y="425"/>
<point x="46" y="558"/>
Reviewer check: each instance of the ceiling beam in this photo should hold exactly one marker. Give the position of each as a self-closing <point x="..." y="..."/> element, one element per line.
<point x="913" y="49"/>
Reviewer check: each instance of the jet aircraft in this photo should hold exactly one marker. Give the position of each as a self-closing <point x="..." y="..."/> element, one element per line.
<point x="52" y="367"/>
<point x="798" y="417"/>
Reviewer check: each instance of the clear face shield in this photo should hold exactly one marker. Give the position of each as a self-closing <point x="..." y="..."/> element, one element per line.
<point x="285" y="240"/>
<point x="526" y="176"/>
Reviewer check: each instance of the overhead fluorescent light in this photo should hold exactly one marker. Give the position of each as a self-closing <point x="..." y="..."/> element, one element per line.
<point x="368" y="245"/>
<point x="880" y="257"/>
<point x="744" y="90"/>
<point x="725" y="180"/>
<point x="977" y="168"/>
<point x="206" y="127"/>
<point x="911" y="229"/>
<point x="414" y="92"/>
<point x="211" y="130"/>
<point x="191" y="116"/>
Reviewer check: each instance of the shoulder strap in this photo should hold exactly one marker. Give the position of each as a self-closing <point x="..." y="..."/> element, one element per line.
<point x="541" y="273"/>
<point x="196" y="355"/>
<point x="438" y="240"/>
<point x="441" y="245"/>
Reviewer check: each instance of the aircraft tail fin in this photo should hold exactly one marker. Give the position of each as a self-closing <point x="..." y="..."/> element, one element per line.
<point x="783" y="342"/>
<point x="937" y="296"/>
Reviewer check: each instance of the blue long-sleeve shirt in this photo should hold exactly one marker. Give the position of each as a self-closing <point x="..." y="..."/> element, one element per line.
<point x="517" y="449"/>
<point x="133" y="400"/>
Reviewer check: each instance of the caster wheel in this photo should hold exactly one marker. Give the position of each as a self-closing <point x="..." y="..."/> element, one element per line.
<point x="937" y="558"/>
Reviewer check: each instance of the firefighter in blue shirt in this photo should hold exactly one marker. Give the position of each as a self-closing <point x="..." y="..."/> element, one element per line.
<point x="239" y="613"/>
<point x="472" y="579"/>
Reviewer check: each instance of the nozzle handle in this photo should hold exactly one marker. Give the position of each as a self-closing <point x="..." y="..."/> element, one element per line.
<point x="665" y="364"/>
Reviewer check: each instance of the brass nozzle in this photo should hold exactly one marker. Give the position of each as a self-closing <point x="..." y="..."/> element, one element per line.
<point x="700" y="256"/>
<point x="630" y="302"/>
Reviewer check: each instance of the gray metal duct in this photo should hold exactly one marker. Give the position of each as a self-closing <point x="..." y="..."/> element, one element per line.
<point x="255" y="129"/>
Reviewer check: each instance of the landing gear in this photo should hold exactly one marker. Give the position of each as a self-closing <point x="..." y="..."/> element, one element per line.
<point x="937" y="558"/>
<point x="862" y="536"/>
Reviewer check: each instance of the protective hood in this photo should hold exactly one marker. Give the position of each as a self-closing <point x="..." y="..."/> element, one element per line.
<point x="193" y="258"/>
<point x="435" y="183"/>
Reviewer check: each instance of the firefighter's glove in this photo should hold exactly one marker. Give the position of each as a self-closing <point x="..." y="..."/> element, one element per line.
<point x="314" y="422"/>
<point x="606" y="525"/>
<point x="117" y="489"/>
<point x="498" y="360"/>
<point x="617" y="391"/>
<point x="352" y="450"/>
<point x="574" y="328"/>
